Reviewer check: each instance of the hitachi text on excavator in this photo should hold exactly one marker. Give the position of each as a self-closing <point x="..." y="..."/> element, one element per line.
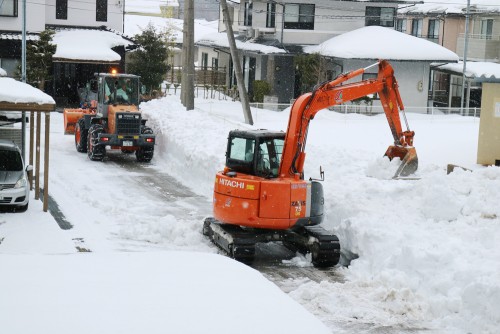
<point x="261" y="194"/>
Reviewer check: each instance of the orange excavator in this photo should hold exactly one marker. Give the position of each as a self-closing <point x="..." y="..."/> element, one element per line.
<point x="261" y="194"/>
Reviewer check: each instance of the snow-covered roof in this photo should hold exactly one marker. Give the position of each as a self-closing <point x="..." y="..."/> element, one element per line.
<point x="88" y="45"/>
<point x="3" y="73"/>
<point x="220" y="40"/>
<point x="481" y="71"/>
<point x="18" y="36"/>
<point x="13" y="91"/>
<point x="134" y="24"/>
<point x="451" y="7"/>
<point x="375" y="42"/>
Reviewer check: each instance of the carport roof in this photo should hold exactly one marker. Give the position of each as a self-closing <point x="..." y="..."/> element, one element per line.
<point x="19" y="96"/>
<point x="477" y="71"/>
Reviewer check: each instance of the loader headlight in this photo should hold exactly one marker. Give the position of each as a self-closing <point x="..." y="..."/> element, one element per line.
<point x="21" y="183"/>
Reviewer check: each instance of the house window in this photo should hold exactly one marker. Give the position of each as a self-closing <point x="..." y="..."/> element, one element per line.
<point x="416" y="27"/>
<point x="433" y="32"/>
<point x="299" y="16"/>
<point x="62" y="9"/>
<point x="271" y="15"/>
<point x="379" y="16"/>
<point x="215" y="63"/>
<point x="486" y="28"/>
<point x="248" y="14"/>
<point x="101" y="10"/>
<point x="8" y="8"/>
<point x="204" y="60"/>
<point x="401" y="25"/>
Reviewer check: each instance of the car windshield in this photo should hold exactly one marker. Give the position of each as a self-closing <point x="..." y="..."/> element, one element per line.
<point x="10" y="161"/>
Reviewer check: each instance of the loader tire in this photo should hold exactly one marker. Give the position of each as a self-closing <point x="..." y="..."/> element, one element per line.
<point x="145" y="154"/>
<point x="95" y="151"/>
<point x="81" y="136"/>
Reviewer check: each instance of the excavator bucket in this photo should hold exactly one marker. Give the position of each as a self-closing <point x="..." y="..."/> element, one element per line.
<point x="409" y="160"/>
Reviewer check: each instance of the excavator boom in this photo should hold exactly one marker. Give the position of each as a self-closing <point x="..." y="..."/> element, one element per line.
<point x="333" y="93"/>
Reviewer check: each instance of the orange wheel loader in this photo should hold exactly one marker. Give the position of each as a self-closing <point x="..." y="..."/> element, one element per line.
<point x="261" y="194"/>
<point x="115" y="121"/>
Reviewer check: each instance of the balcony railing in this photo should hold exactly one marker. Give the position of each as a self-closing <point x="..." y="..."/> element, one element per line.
<point x="481" y="36"/>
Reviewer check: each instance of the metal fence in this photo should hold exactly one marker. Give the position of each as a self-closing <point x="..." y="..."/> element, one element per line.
<point x="375" y="110"/>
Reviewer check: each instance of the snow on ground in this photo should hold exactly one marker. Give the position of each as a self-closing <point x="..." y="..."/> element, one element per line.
<point x="427" y="255"/>
<point x="128" y="264"/>
<point x="427" y="248"/>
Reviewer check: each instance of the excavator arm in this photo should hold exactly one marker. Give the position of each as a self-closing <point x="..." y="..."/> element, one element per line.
<point x="333" y="93"/>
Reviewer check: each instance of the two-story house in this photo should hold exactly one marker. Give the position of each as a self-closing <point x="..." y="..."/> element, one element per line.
<point x="271" y="33"/>
<point x="445" y="23"/>
<point x="79" y="54"/>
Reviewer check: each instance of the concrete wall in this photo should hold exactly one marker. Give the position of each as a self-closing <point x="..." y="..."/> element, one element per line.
<point x="488" y="148"/>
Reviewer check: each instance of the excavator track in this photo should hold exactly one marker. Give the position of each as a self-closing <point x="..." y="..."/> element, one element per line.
<point x="235" y="241"/>
<point x="239" y="243"/>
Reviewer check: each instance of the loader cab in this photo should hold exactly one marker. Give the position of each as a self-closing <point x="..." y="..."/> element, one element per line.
<point x="117" y="89"/>
<point x="255" y="152"/>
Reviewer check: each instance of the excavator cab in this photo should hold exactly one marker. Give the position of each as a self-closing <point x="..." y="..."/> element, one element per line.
<point x="256" y="152"/>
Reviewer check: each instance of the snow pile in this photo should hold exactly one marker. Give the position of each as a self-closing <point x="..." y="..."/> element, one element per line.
<point x="3" y="73"/>
<point x="422" y="252"/>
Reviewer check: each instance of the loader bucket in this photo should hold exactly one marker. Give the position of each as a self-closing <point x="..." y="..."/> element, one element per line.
<point x="409" y="159"/>
<point x="71" y="116"/>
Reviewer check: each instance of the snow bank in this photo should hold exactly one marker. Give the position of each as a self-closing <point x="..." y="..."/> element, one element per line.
<point x="423" y="252"/>
<point x="153" y="292"/>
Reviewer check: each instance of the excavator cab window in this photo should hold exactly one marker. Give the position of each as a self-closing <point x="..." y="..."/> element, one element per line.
<point x="269" y="157"/>
<point x="255" y="154"/>
<point x="241" y="154"/>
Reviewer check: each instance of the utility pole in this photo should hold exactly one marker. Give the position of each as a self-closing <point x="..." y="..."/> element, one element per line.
<point x="184" y="58"/>
<point x="187" y="83"/>
<point x="189" y="102"/>
<point x="466" y="47"/>
<point x="236" y="64"/>
<point x="23" y="79"/>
